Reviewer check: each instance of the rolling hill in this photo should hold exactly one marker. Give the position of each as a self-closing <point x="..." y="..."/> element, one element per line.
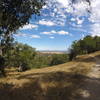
<point x="76" y="80"/>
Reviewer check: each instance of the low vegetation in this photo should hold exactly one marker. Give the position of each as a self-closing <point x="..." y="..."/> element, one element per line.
<point x="22" y="55"/>
<point x="86" y="45"/>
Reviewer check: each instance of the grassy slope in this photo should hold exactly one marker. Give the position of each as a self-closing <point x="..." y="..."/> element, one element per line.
<point x="75" y="80"/>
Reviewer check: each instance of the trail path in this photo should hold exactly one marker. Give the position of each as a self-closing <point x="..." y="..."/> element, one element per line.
<point x="95" y="71"/>
<point x="91" y="86"/>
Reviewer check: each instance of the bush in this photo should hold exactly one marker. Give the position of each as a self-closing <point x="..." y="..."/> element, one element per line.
<point x="88" y="45"/>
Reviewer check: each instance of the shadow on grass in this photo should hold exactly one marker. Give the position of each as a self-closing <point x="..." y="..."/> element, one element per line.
<point x="53" y="86"/>
<point x="89" y="59"/>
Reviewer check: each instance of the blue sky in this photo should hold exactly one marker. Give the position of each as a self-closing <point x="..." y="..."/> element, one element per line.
<point x="59" y="25"/>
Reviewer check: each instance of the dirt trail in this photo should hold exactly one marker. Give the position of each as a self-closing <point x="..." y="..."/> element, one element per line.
<point x="91" y="87"/>
<point x="95" y="70"/>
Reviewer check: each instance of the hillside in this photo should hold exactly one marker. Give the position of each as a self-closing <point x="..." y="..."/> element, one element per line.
<point x="76" y="80"/>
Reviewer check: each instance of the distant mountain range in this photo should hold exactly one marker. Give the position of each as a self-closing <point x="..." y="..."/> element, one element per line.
<point x="53" y="51"/>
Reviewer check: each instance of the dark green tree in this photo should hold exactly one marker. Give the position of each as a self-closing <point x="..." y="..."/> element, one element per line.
<point x="22" y="54"/>
<point x="13" y="15"/>
<point x="87" y="45"/>
<point x="58" y="59"/>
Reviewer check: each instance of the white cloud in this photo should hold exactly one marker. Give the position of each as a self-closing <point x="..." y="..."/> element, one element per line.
<point x="94" y="15"/>
<point x="79" y="21"/>
<point x="21" y="34"/>
<point x="65" y="3"/>
<point x="26" y="35"/>
<point x="83" y="35"/>
<point x="73" y="19"/>
<point x="51" y="37"/>
<point x="79" y="29"/>
<point x="77" y="9"/>
<point x="58" y="10"/>
<point x="62" y="32"/>
<point x="80" y="8"/>
<point x="55" y="12"/>
<point x="95" y="29"/>
<point x="75" y="25"/>
<point x="28" y="26"/>
<point x="35" y="36"/>
<point x="95" y="18"/>
<point x="46" y="33"/>
<point x="50" y="32"/>
<point x="95" y="11"/>
<point x="46" y="22"/>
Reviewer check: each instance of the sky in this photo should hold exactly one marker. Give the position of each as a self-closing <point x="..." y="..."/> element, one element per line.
<point x="60" y="23"/>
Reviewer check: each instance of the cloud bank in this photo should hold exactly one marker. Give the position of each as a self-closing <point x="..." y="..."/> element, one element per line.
<point x="60" y="10"/>
<point x="61" y="32"/>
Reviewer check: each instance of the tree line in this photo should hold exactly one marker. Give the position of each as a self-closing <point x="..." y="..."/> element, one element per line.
<point x="86" y="45"/>
<point x="23" y="55"/>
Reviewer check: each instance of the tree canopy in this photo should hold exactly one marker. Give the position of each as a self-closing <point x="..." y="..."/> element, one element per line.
<point x="86" y="45"/>
<point x="16" y="13"/>
<point x="13" y="15"/>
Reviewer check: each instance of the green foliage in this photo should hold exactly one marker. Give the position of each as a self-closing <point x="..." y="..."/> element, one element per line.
<point x="16" y="13"/>
<point x="21" y="54"/>
<point x="13" y="15"/>
<point x="58" y="59"/>
<point x="24" y="55"/>
<point x="44" y="60"/>
<point x="41" y="60"/>
<point x="88" y="45"/>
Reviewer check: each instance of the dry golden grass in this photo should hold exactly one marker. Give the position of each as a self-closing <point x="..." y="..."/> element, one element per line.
<point x="69" y="81"/>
